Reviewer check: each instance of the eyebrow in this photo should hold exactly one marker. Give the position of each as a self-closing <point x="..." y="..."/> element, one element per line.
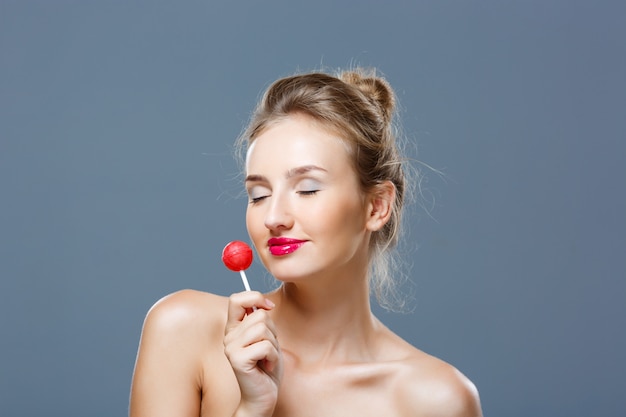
<point x="293" y="172"/>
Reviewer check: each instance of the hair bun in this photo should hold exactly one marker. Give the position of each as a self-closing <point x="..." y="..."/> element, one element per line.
<point x="375" y="88"/>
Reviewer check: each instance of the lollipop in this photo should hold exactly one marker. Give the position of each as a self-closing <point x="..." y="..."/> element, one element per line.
<point x="237" y="256"/>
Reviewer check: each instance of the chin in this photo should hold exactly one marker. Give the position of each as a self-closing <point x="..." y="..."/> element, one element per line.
<point x="288" y="276"/>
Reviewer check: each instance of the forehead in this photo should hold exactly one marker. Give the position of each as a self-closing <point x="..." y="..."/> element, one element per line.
<point x="297" y="141"/>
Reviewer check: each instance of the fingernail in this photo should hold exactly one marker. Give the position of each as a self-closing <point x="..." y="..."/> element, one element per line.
<point x="269" y="303"/>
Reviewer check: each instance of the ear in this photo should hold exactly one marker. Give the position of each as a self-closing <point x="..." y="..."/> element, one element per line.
<point x="380" y="205"/>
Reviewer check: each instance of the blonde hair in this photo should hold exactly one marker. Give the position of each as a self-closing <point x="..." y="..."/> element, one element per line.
<point x="359" y="106"/>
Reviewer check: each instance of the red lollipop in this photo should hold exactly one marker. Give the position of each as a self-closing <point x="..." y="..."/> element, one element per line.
<point x="237" y="256"/>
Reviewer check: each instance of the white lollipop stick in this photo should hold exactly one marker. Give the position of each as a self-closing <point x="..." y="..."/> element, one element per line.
<point x="245" y="283"/>
<point x="244" y="279"/>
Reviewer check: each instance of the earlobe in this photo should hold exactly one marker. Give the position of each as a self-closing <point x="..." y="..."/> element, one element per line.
<point x="381" y="205"/>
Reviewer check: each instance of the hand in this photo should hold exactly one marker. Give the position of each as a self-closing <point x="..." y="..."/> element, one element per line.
<point x="251" y="346"/>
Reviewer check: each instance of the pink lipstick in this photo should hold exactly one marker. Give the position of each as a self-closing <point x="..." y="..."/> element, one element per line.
<point x="280" y="246"/>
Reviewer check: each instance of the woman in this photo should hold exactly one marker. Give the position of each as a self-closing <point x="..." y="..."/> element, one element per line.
<point x="326" y="187"/>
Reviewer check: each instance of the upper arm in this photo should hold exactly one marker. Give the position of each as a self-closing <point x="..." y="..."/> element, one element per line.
<point x="167" y="380"/>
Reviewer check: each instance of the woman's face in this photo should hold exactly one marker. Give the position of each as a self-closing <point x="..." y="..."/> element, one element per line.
<point x="306" y="215"/>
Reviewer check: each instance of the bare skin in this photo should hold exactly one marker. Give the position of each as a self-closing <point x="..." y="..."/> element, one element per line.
<point x="182" y="369"/>
<point x="312" y="347"/>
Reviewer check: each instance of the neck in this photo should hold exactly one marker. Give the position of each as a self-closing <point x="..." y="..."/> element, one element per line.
<point x="325" y="322"/>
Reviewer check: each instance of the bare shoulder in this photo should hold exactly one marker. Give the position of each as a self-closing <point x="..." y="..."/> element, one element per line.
<point x="432" y="387"/>
<point x="186" y="310"/>
<point x="183" y="324"/>
<point x="169" y="374"/>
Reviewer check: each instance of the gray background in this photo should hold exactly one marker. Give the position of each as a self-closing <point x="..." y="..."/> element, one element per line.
<point x="118" y="186"/>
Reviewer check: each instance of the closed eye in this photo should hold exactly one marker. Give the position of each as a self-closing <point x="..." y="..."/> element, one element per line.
<point x="256" y="200"/>
<point x="258" y="192"/>
<point x="308" y="192"/>
<point x="308" y="186"/>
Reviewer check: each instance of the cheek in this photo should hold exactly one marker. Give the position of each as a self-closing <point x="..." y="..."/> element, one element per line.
<point x="341" y="215"/>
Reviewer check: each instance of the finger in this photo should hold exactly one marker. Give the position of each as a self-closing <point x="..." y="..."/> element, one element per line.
<point x="271" y="363"/>
<point x="260" y="316"/>
<point x="240" y="304"/>
<point x="245" y="360"/>
<point x="254" y="328"/>
<point x="246" y="336"/>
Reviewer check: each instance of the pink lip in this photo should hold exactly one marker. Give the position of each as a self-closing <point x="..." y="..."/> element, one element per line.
<point x="280" y="246"/>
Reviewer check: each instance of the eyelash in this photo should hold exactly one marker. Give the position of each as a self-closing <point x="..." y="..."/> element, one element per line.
<point x="257" y="200"/>
<point x="308" y="192"/>
<point x="302" y="193"/>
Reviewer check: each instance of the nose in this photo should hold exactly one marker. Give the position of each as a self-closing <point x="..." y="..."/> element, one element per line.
<point x="278" y="215"/>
